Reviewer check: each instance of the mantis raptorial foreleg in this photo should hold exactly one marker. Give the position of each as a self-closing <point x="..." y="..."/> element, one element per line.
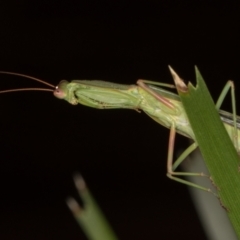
<point x="142" y="84"/>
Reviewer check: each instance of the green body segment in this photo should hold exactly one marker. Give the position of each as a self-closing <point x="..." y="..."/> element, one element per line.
<point x="106" y="95"/>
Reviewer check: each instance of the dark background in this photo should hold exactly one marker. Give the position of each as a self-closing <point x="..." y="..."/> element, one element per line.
<point x="120" y="153"/>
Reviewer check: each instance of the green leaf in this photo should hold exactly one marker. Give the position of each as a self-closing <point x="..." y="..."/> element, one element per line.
<point x="215" y="145"/>
<point x="90" y="217"/>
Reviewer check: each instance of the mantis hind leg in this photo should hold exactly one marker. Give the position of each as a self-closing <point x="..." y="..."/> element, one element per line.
<point x="230" y="85"/>
<point x="172" y="166"/>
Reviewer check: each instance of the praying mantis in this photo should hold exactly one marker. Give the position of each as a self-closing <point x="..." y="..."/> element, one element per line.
<point x="161" y="105"/>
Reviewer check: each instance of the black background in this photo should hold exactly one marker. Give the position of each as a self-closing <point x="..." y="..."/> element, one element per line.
<point x="120" y="153"/>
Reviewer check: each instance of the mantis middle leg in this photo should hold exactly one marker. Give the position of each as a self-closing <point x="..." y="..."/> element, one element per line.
<point x="171" y="167"/>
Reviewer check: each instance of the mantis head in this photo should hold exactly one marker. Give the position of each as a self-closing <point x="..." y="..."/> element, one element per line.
<point x="61" y="90"/>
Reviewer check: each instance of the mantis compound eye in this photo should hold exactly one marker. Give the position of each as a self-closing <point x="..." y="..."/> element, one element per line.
<point x="58" y="93"/>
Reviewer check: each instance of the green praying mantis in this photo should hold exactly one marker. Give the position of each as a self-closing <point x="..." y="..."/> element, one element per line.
<point x="161" y="105"/>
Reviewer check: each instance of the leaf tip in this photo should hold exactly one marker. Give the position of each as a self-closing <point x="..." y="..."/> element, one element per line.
<point x="73" y="205"/>
<point x="180" y="85"/>
<point x="79" y="182"/>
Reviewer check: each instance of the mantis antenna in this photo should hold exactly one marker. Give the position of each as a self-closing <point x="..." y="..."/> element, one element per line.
<point x="27" y="89"/>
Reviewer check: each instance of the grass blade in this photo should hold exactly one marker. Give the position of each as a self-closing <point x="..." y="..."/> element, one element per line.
<point x="90" y="218"/>
<point x="215" y="145"/>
